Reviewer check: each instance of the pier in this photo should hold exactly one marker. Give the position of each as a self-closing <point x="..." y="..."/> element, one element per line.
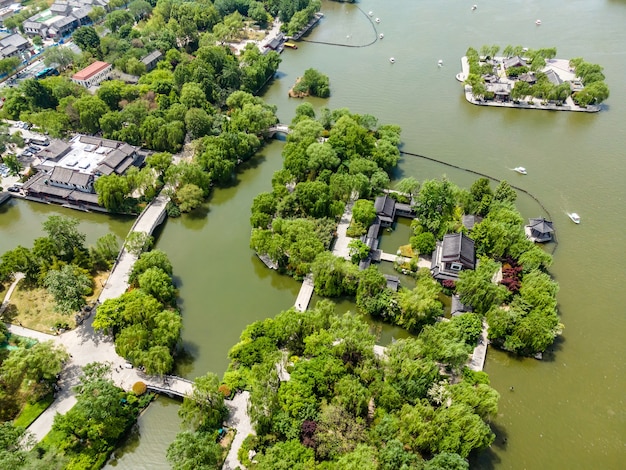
<point x="305" y="294"/>
<point x="4" y="196"/>
<point x="477" y="362"/>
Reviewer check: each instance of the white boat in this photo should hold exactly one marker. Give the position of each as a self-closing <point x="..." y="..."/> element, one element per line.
<point x="574" y="216"/>
<point x="538" y="22"/>
<point x="392" y="60"/>
<point x="371" y="13"/>
<point x="474" y="7"/>
<point x="381" y="35"/>
<point x="440" y="63"/>
<point x="377" y="20"/>
<point x="520" y="169"/>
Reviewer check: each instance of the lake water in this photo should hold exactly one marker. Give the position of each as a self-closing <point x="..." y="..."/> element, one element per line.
<point x="567" y="411"/>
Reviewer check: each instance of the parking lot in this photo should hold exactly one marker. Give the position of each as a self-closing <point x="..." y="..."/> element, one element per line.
<point x="25" y="154"/>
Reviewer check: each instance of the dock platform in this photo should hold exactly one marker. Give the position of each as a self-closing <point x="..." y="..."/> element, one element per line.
<point x="305" y="294"/>
<point x="477" y="362"/>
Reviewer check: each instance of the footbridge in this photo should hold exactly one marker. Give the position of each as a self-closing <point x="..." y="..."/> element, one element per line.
<point x="170" y="385"/>
<point x="278" y="129"/>
<point x="151" y="217"/>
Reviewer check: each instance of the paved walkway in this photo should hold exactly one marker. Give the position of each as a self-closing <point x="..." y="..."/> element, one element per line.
<point x="477" y="362"/>
<point x="85" y="345"/>
<point x="5" y="303"/>
<point x="340" y="248"/>
<point x="305" y="294"/>
<point x="238" y="418"/>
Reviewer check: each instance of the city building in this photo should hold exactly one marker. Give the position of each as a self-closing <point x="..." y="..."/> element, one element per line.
<point x="93" y="74"/>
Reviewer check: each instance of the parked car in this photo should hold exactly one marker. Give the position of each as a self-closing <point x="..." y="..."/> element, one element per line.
<point x="26" y="154"/>
<point x="13" y="189"/>
<point x="34" y="149"/>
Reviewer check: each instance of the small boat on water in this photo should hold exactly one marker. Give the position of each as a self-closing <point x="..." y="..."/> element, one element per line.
<point x="371" y="13"/>
<point x="392" y="60"/>
<point x="574" y="216"/>
<point x="521" y="170"/>
<point x="377" y="20"/>
<point x="381" y="35"/>
<point x="538" y="22"/>
<point x="291" y="45"/>
<point x="474" y="7"/>
<point x="440" y="63"/>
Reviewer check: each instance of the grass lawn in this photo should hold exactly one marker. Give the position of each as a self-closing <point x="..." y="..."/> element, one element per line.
<point x="34" y="308"/>
<point x="30" y="412"/>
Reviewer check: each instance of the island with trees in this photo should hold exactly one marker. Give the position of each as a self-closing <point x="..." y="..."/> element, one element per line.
<point x="312" y="83"/>
<point x="531" y="79"/>
<point x="295" y="225"/>
<point x="322" y="396"/>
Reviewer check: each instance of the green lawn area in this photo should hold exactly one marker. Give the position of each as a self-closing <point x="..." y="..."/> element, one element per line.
<point x="33" y="307"/>
<point x="30" y="412"/>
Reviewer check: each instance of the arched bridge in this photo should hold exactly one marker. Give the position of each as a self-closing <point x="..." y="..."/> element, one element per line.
<point x="278" y="129"/>
<point x="170" y="385"/>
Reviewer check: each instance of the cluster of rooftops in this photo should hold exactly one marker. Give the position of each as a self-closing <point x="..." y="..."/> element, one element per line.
<point x="61" y="18"/>
<point x="455" y="253"/>
<point x="557" y="72"/>
<point x="68" y="169"/>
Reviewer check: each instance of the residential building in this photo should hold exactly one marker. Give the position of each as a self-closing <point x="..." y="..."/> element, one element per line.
<point x="93" y="74"/>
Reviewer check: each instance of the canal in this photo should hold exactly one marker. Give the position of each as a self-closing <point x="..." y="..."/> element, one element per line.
<point x="567" y="411"/>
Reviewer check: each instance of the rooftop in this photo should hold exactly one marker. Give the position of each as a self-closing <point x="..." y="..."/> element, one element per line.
<point x="91" y="70"/>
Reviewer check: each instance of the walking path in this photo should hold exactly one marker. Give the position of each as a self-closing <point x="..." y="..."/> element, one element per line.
<point x="7" y="297"/>
<point x="85" y="345"/>
<point x="238" y="418"/>
<point x="305" y="294"/>
<point x="477" y="362"/>
<point x="340" y="248"/>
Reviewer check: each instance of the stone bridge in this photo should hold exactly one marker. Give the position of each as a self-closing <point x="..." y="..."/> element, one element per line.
<point x="278" y="129"/>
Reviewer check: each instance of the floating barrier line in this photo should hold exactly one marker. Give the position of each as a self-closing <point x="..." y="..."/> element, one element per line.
<point x="468" y="170"/>
<point x="350" y="45"/>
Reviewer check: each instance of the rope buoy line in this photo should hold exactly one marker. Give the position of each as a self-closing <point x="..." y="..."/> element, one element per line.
<point x="349" y="45"/>
<point x="468" y="170"/>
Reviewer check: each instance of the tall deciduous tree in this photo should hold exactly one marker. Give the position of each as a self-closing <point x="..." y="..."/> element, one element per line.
<point x="364" y="212"/>
<point x="204" y="409"/>
<point x="194" y="450"/>
<point x="112" y="191"/>
<point x="64" y="231"/>
<point x="68" y="286"/>
<point x="435" y="205"/>
<point x="138" y="242"/>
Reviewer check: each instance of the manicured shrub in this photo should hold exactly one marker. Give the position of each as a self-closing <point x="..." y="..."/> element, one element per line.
<point x="139" y="388"/>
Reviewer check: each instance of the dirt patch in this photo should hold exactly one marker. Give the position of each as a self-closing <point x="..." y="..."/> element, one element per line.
<point x="34" y="308"/>
<point x="99" y="281"/>
<point x="297" y="94"/>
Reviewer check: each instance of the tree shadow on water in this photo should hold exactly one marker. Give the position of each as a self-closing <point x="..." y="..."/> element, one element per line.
<point x="185" y="358"/>
<point x="488" y="458"/>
